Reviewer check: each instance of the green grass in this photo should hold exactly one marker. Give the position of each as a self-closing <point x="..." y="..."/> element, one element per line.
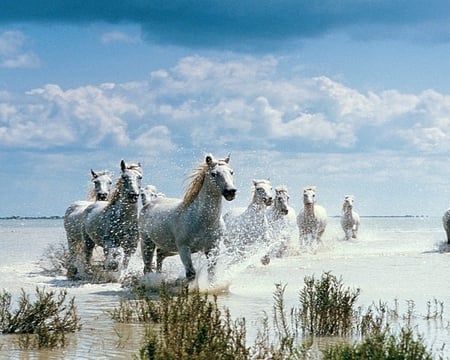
<point x="43" y="323"/>
<point x="190" y="325"/>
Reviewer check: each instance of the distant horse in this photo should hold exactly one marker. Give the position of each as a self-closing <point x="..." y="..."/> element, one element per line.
<point x="191" y="224"/>
<point x="446" y="223"/>
<point x="73" y="216"/>
<point x="113" y="224"/>
<point x="150" y="193"/>
<point x="349" y="218"/>
<point x="312" y="218"/>
<point x="249" y="226"/>
<point x="282" y="220"/>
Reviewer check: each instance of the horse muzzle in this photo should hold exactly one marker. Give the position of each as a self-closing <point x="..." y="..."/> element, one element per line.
<point x="133" y="198"/>
<point x="102" y="196"/>
<point x="229" y="194"/>
<point x="268" y="201"/>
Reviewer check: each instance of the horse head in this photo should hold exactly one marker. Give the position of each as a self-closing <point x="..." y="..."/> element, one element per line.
<point x="281" y="202"/>
<point x="348" y="202"/>
<point x="149" y="193"/>
<point x="309" y="195"/>
<point x="262" y="192"/>
<point x="221" y="174"/>
<point x="102" y="184"/>
<point x="131" y="180"/>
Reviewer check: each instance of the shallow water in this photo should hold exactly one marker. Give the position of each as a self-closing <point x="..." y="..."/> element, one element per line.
<point x="393" y="259"/>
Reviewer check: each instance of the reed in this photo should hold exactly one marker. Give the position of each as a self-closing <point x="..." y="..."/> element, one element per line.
<point x="189" y="325"/>
<point x="43" y="323"/>
<point x="327" y="308"/>
<point x="383" y="345"/>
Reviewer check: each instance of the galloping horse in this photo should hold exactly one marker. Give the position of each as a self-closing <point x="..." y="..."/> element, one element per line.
<point x="349" y="218"/>
<point x="312" y="219"/>
<point x="282" y="220"/>
<point x="191" y="224"/>
<point x="249" y="225"/>
<point x="446" y="224"/>
<point x="150" y="193"/>
<point x="113" y="224"/>
<point x="74" y="214"/>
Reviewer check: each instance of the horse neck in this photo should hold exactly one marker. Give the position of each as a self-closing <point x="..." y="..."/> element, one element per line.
<point x="309" y="209"/>
<point x="275" y="212"/>
<point x="120" y="206"/>
<point x="208" y="203"/>
<point x="347" y="210"/>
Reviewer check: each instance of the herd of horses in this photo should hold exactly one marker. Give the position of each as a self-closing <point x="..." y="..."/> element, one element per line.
<point x="113" y="219"/>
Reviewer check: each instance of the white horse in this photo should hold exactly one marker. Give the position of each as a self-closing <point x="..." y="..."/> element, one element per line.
<point x="150" y="193"/>
<point x="113" y="224"/>
<point x="349" y="218"/>
<point x="191" y="224"/>
<point x="312" y="218"/>
<point x="446" y="223"/>
<point x="100" y="191"/>
<point x="247" y="227"/>
<point x="282" y="220"/>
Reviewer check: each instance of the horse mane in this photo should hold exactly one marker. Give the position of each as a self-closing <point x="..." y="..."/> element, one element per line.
<point x="92" y="195"/>
<point x="281" y="188"/>
<point x="197" y="178"/>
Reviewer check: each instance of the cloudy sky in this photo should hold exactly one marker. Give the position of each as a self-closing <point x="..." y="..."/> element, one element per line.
<point x="352" y="96"/>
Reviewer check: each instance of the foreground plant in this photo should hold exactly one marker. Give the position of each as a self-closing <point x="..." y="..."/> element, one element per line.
<point x="189" y="325"/>
<point x="380" y="346"/>
<point x="327" y="308"/>
<point x="42" y="323"/>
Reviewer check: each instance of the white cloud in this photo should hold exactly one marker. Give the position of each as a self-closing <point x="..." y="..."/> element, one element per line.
<point x="237" y="102"/>
<point x="13" y="53"/>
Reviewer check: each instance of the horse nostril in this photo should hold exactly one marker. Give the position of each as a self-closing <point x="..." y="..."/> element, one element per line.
<point x="229" y="194"/>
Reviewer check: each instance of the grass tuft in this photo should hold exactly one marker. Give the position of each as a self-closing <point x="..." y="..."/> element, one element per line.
<point x="42" y="323"/>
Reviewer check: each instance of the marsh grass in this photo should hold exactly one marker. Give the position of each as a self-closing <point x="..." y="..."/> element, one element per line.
<point x="55" y="259"/>
<point x="327" y="308"/>
<point x="43" y="323"/>
<point x="190" y="325"/>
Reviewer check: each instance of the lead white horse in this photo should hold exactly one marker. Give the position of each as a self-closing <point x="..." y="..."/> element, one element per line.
<point x="312" y="219"/>
<point x="191" y="224"/>
<point x="101" y="181"/>
<point x="349" y="218"/>
<point x="247" y="227"/>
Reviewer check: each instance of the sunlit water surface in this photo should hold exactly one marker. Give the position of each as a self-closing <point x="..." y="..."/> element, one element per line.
<point x="399" y="259"/>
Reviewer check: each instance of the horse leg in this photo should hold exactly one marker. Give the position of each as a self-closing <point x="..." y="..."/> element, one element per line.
<point x="88" y="248"/>
<point x="147" y="249"/>
<point x="160" y="256"/>
<point x="186" y="259"/>
<point x="72" y="269"/>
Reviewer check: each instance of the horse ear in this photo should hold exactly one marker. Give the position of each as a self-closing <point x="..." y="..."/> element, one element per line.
<point x="94" y="175"/>
<point x="227" y="159"/>
<point x="123" y="166"/>
<point x="209" y="159"/>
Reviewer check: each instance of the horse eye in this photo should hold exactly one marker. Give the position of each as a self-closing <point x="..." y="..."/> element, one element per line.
<point x="213" y="174"/>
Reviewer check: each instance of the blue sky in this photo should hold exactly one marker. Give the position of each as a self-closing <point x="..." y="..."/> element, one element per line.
<point x="350" y="96"/>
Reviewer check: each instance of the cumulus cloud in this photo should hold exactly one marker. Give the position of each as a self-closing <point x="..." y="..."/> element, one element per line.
<point x="252" y="24"/>
<point x="236" y="103"/>
<point x="13" y="52"/>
